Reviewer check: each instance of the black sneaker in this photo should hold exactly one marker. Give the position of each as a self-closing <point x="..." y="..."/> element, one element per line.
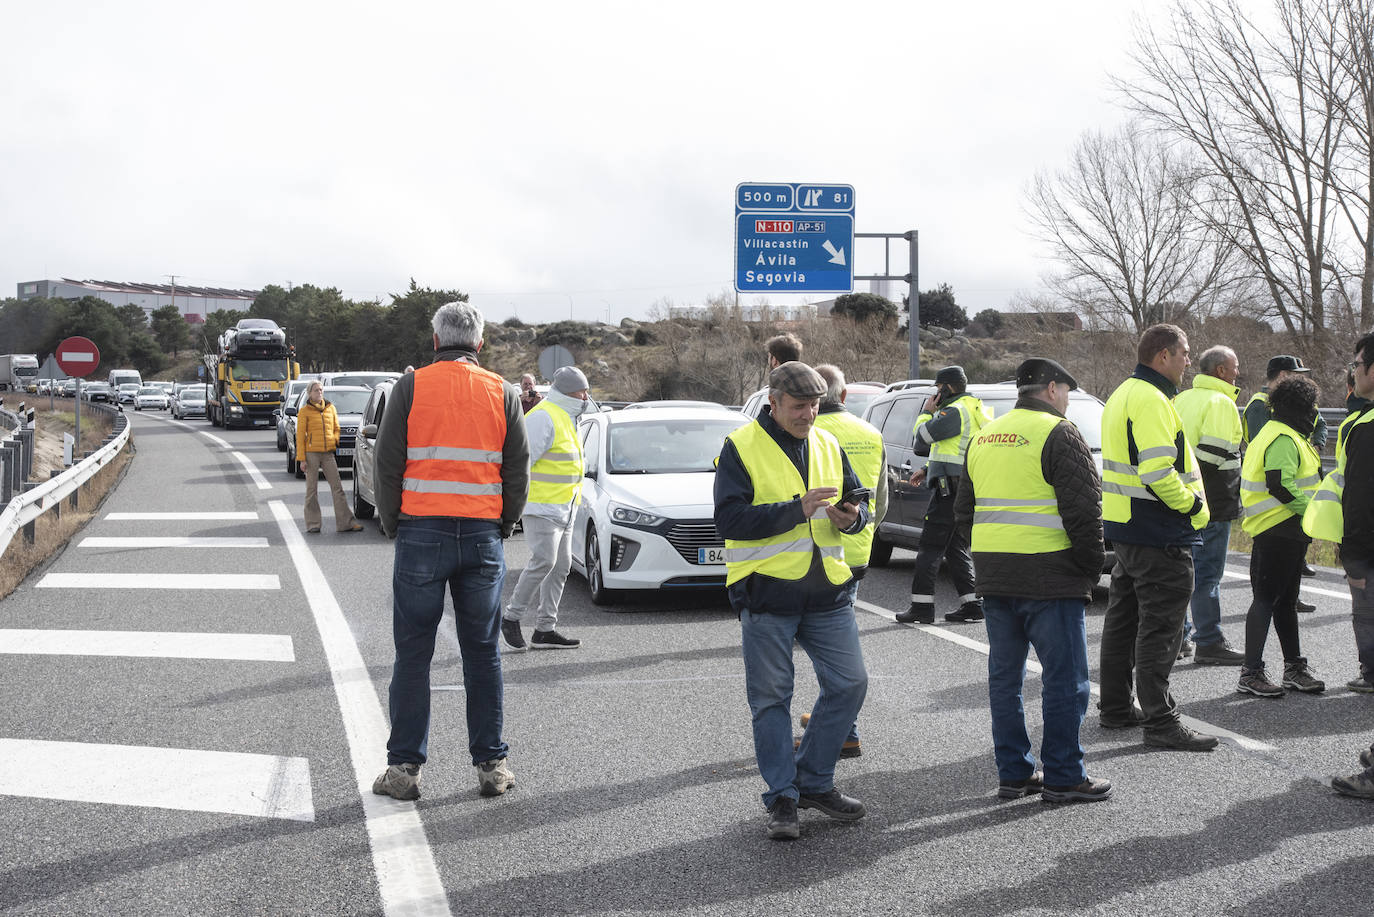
<point x="1360" y="684"/>
<point x="1367" y="757"/>
<point x="1135" y="718"/>
<point x="782" y="820"/>
<point x="1298" y="676"/>
<point x="510" y="630"/>
<point x="1304" y="607"/>
<point x="1015" y="789"/>
<point x="1254" y="681"/>
<point x="968" y="613"/>
<point x="1360" y="785"/>
<point x="1308" y="570"/>
<point x="553" y="640"/>
<point x="1219" y="653"/>
<point x="835" y="804"/>
<point x="917" y="614"/>
<point x="1185" y="649"/>
<point x="1090" y="790"/>
<point x="1180" y="738"/>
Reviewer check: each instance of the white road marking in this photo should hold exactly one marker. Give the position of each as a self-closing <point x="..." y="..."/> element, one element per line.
<point x="407" y="877"/>
<point x="1033" y="666"/>
<point x="160" y="644"/>
<point x="1315" y="590"/>
<point x="215" y="439"/>
<point x="253" y="472"/>
<point x="265" y="786"/>
<point x="171" y="517"/>
<point x="171" y="541"/>
<point x="159" y="581"/>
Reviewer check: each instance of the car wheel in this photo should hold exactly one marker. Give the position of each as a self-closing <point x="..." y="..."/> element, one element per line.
<point x="361" y="508"/>
<point x="596" y="582"/>
<point x="290" y="463"/>
<point x="281" y="442"/>
<point x="881" y="553"/>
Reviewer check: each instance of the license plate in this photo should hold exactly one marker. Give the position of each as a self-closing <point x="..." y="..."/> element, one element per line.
<point x="261" y="386"/>
<point x="710" y="555"/>
<point x="343" y="451"/>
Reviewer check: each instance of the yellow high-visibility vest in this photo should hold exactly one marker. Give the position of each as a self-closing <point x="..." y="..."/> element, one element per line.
<point x="1156" y="427"/>
<point x="863" y="445"/>
<point x="556" y="476"/>
<point x="1262" y="510"/>
<point x="1016" y="511"/>
<point x="787" y="555"/>
<point x="1324" y="517"/>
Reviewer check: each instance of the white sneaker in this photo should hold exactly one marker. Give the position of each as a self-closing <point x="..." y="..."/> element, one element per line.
<point x="494" y="777"/>
<point x="399" y="781"/>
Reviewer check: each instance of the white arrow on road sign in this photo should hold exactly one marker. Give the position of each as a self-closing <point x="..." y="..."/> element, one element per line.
<point x="836" y="257"/>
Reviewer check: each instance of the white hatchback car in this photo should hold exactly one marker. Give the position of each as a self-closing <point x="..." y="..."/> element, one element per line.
<point x="646" y="520"/>
<point x="150" y="396"/>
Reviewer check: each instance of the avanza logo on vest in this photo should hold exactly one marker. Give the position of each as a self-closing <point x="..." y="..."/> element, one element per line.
<point x="1003" y="439"/>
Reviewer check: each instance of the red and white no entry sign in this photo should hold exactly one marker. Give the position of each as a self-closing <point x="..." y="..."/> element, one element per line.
<point x="78" y="356"/>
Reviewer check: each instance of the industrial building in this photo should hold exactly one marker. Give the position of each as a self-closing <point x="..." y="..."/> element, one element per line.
<point x="193" y="302"/>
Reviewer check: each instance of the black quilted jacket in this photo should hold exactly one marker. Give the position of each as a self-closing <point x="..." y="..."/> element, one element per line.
<point x="1067" y="464"/>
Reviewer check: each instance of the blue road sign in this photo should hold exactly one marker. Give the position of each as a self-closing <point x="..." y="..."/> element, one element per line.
<point x="794" y="238"/>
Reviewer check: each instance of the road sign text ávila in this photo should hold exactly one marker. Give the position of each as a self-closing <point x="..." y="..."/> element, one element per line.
<point x="794" y="238"/>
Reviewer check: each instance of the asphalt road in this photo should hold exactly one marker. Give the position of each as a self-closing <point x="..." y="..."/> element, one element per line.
<point x="227" y="774"/>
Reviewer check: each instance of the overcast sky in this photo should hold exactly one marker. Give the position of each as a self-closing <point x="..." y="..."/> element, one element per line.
<point x="547" y="158"/>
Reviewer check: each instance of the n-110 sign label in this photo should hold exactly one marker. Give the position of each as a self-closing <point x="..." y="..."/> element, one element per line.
<point x="794" y="238"/>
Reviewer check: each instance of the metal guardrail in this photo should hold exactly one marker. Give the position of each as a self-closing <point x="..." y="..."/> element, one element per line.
<point x="38" y="498"/>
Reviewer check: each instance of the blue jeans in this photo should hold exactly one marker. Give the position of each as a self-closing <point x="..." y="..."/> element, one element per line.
<point x="466" y="556"/>
<point x="831" y="639"/>
<point x="1209" y="562"/>
<point x="1055" y="628"/>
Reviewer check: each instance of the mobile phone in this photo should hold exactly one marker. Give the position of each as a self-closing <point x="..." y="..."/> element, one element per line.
<point x="857" y="496"/>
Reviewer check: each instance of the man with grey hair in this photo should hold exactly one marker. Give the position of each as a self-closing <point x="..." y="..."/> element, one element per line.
<point x="1212" y="425"/>
<point x="452" y="474"/>
<point x="555" y="491"/>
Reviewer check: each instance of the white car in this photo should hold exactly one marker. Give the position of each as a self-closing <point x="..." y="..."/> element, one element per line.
<point x="646" y="520"/>
<point x="150" y="396"/>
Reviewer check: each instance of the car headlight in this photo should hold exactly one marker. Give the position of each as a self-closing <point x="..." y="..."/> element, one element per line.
<point x="628" y="515"/>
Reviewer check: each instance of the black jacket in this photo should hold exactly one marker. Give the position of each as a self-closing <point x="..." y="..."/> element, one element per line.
<point x="1067" y="464"/>
<point x="737" y="518"/>
<point x="1357" y="501"/>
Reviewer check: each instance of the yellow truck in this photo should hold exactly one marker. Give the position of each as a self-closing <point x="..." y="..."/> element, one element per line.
<point x="247" y="374"/>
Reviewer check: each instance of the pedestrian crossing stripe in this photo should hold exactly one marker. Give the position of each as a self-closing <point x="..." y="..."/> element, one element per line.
<point x="149" y="644"/>
<point x="159" y="581"/>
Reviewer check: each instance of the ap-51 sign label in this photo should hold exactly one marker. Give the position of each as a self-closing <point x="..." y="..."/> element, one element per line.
<point x="794" y="238"/>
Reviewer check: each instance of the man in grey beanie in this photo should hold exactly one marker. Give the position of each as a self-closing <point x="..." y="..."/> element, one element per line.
<point x="555" y="489"/>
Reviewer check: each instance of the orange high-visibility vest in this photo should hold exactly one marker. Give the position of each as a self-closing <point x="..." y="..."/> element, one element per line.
<point x="454" y="438"/>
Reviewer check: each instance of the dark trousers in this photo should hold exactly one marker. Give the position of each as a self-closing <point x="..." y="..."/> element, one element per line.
<point x="940" y="538"/>
<point x="1275" y="575"/>
<point x="1143" y="629"/>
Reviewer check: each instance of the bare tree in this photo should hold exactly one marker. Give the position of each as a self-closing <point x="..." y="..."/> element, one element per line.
<point x="1119" y="221"/>
<point x="1260" y="107"/>
<point x="1350" y="31"/>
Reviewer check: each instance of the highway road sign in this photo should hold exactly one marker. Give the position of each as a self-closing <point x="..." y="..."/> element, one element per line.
<point x="794" y="238"/>
<point x="78" y="356"/>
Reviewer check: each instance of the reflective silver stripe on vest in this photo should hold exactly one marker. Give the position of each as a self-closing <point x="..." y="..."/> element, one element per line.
<point x="559" y="457"/>
<point x="1127" y="490"/>
<point x="1153" y="452"/>
<point x="1256" y="486"/>
<point x="981" y="502"/>
<point x="1189" y="477"/>
<point x="1012" y="517"/>
<point x="1218" y="442"/>
<point x="1337" y="478"/>
<point x="765" y="551"/>
<point x="1326" y="495"/>
<point x="1228" y="464"/>
<point x="1118" y="467"/>
<point x="555" y="478"/>
<point x="1150" y="477"/>
<point x="425" y="486"/>
<point x="1262" y="506"/>
<point x="451" y="454"/>
<point x="1308" y="481"/>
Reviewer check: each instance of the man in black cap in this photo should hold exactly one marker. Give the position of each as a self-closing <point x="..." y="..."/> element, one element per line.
<point x="947" y="422"/>
<point x="1257" y="413"/>
<point x="1033" y="502"/>
<point x="779" y="506"/>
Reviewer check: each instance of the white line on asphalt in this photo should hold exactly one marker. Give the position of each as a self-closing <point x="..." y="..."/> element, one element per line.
<point x="159" y="581"/>
<point x="407" y="877"/>
<point x="171" y="541"/>
<point x="194" y="517"/>
<point x="215" y="439"/>
<point x="159" y="644"/>
<point x="253" y="472"/>
<point x="1315" y="590"/>
<point x="265" y="786"/>
<point x="1033" y="666"/>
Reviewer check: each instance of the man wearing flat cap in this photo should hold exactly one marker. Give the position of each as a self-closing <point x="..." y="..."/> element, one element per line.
<point x="945" y="425"/>
<point x="555" y="490"/>
<point x="779" y="493"/>
<point x="1031" y="499"/>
